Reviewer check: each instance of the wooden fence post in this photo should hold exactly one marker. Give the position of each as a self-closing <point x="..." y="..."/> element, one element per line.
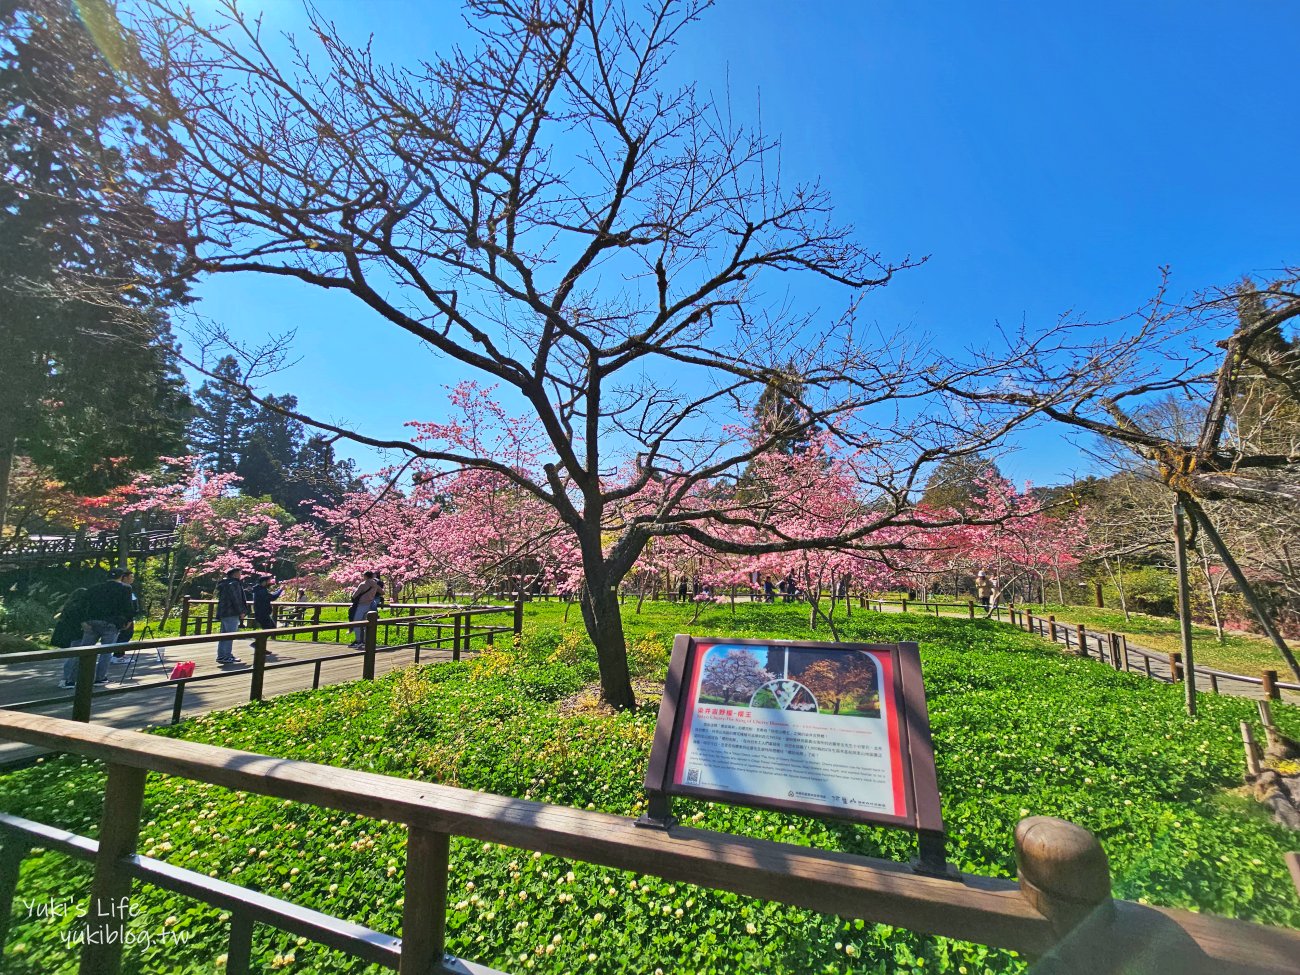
<point x="904" y="605"/>
<point x="1029" y="621"/>
<point x="371" y="640"/>
<point x="1293" y="865"/>
<point x="971" y="607"/>
<point x="119" y="829"/>
<point x="1268" y="685"/>
<point x="455" y="636"/>
<point x="1113" y="640"/>
<point x="185" y="615"/>
<point x="315" y="621"/>
<point x="1252" y="750"/>
<point x="1051" y="628"/>
<point x="239" y="947"/>
<point x="1083" y="640"/>
<point x="1063" y="871"/>
<point x="519" y="618"/>
<point x="86" y="663"/>
<point x="424" y="910"/>
<point x="1175" y="666"/>
<point x="259" y="667"/>
<point x="12" y="854"/>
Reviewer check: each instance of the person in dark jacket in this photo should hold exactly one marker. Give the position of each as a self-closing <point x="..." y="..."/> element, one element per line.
<point x="107" y="610"/>
<point x="67" y="625"/>
<point x="263" y="596"/>
<point x="125" y="634"/>
<point x="232" y="607"/>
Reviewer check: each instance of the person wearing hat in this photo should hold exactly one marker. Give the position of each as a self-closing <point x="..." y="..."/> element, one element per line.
<point x="263" y="596"/>
<point x="232" y="607"/>
<point x="108" y="608"/>
<point x="983" y="588"/>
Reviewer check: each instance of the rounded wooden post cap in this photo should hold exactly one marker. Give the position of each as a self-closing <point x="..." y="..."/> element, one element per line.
<point x="1062" y="867"/>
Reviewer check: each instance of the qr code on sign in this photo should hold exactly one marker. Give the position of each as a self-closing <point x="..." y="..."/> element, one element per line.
<point x="692" y="776"/>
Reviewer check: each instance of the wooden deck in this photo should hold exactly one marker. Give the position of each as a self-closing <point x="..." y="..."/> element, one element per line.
<point x="131" y="706"/>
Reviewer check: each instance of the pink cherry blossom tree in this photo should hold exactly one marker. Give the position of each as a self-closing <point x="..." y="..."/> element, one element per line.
<point x="216" y="529"/>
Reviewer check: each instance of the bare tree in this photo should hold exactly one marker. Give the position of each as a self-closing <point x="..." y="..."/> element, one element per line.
<point x="1227" y="355"/>
<point x="542" y="211"/>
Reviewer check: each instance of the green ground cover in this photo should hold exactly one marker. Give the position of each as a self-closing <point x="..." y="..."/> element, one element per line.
<point x="1240" y="653"/>
<point x="1020" y="729"/>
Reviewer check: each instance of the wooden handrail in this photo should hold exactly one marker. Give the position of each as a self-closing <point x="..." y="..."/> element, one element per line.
<point x="63" y="653"/>
<point x="982" y="909"/>
<point x="84" y="694"/>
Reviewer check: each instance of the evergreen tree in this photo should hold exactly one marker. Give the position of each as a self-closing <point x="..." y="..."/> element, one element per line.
<point x="281" y="435"/>
<point x="88" y="378"/>
<point x="260" y="475"/>
<point x="222" y="417"/>
<point x="953" y="483"/>
<point x="779" y="414"/>
<point x="317" y="478"/>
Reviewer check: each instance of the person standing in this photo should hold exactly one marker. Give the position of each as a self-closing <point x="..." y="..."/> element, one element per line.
<point x="769" y="591"/>
<point x="983" y="588"/>
<point x="107" y="609"/>
<point x="365" y="593"/>
<point x="995" y="593"/>
<point x="127" y="632"/>
<point x="263" y="596"/>
<point x="232" y="607"/>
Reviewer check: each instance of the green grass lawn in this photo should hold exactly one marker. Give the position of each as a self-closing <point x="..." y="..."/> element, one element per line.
<point x="1020" y="729"/>
<point x="1240" y="653"/>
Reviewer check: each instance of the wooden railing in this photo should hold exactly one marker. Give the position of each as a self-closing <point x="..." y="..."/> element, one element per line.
<point x="1113" y="649"/>
<point x="69" y="548"/>
<point x="200" y="615"/>
<point x="455" y="628"/>
<point x="1061" y="905"/>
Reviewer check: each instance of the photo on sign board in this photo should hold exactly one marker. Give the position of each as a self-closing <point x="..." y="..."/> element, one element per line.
<point x="840" y="683"/>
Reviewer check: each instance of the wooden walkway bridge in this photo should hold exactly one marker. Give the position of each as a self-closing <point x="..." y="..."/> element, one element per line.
<point x="140" y="693"/>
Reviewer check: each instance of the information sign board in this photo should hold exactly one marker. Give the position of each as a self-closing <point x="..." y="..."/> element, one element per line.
<point x="824" y="729"/>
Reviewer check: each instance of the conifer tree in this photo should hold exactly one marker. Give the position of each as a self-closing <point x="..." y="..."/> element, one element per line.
<point x="88" y="378"/>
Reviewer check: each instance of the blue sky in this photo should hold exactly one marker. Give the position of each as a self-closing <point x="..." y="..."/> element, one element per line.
<point x="1049" y="157"/>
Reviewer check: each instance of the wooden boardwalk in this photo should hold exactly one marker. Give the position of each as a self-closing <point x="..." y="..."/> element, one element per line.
<point x="1141" y="660"/>
<point x="147" y="698"/>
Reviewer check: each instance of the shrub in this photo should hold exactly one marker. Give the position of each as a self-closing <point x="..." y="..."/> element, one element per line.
<point x="13" y="643"/>
<point x="23" y="615"/>
<point x="1146" y="590"/>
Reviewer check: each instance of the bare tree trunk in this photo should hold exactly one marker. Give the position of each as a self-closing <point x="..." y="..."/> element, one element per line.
<point x="604" y="618"/>
<point x="6" y="473"/>
<point x="1184" y="609"/>
<point x="1119" y="585"/>
<point x="1211" y="590"/>
<point x="1247" y="590"/>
